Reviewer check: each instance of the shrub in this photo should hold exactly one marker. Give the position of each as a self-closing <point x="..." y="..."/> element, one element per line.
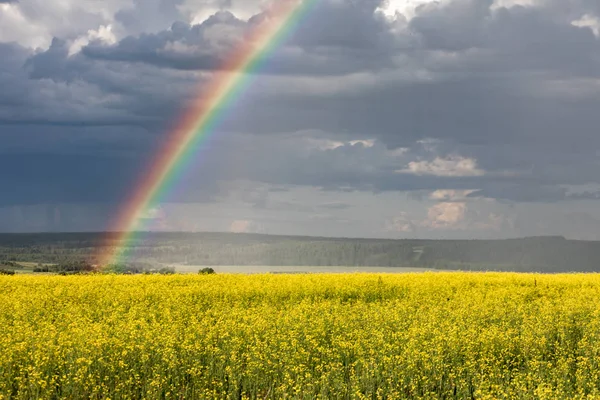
<point x="76" y="266"/>
<point x="6" y="272"/>
<point x="207" y="271"/>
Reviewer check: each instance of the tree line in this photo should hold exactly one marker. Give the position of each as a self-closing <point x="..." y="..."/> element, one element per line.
<point x="152" y="251"/>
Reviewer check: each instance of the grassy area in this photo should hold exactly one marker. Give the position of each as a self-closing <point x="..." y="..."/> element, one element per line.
<point x="22" y="267"/>
<point x="429" y="335"/>
<point x="31" y="265"/>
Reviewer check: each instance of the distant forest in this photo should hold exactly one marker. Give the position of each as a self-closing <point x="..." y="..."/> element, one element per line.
<point x="536" y="254"/>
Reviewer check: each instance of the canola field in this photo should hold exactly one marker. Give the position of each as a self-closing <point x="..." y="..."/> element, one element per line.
<point x="342" y="336"/>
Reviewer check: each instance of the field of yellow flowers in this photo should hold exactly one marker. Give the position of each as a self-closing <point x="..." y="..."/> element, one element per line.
<point x="343" y="336"/>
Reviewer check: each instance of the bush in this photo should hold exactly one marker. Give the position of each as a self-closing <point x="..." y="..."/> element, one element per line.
<point x="207" y="271"/>
<point x="136" y="268"/>
<point x="76" y="266"/>
<point x="6" y="272"/>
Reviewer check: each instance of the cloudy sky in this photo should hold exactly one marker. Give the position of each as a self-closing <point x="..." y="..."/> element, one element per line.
<point x="399" y="118"/>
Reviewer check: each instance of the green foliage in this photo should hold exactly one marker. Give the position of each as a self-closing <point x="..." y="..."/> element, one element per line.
<point x="166" y="271"/>
<point x="69" y="267"/>
<point x="136" y="268"/>
<point x="7" y="272"/>
<point x="120" y="269"/>
<point x="11" y="265"/>
<point x="207" y="271"/>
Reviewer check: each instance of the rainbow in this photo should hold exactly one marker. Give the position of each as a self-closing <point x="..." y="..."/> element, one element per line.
<point x="197" y="124"/>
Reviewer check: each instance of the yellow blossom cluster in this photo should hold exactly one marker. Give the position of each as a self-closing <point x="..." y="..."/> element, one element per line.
<point x="338" y="336"/>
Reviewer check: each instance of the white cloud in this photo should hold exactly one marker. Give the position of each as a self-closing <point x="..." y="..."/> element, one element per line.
<point x="328" y="144"/>
<point x="510" y="3"/>
<point x="589" y="21"/>
<point x="441" y="216"/>
<point x="34" y="23"/>
<point x="199" y="10"/>
<point x="15" y="27"/>
<point x="408" y="8"/>
<point x="365" y="142"/>
<point x="451" y="216"/>
<point x="445" y="215"/>
<point x="103" y="33"/>
<point x="451" y="166"/>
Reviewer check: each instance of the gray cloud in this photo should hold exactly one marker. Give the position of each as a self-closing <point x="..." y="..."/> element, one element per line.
<point x="338" y="38"/>
<point x="516" y="90"/>
<point x="198" y="47"/>
<point x="149" y="15"/>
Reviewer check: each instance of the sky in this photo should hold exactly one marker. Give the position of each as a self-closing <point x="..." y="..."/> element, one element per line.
<point x="394" y="119"/>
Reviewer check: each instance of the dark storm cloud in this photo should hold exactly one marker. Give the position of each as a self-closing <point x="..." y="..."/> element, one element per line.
<point x="55" y="88"/>
<point x="514" y="89"/>
<point x="454" y="26"/>
<point x="44" y="178"/>
<point x="66" y="178"/>
<point x="52" y="63"/>
<point x="514" y="39"/>
<point x="12" y="95"/>
<point x="351" y="25"/>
